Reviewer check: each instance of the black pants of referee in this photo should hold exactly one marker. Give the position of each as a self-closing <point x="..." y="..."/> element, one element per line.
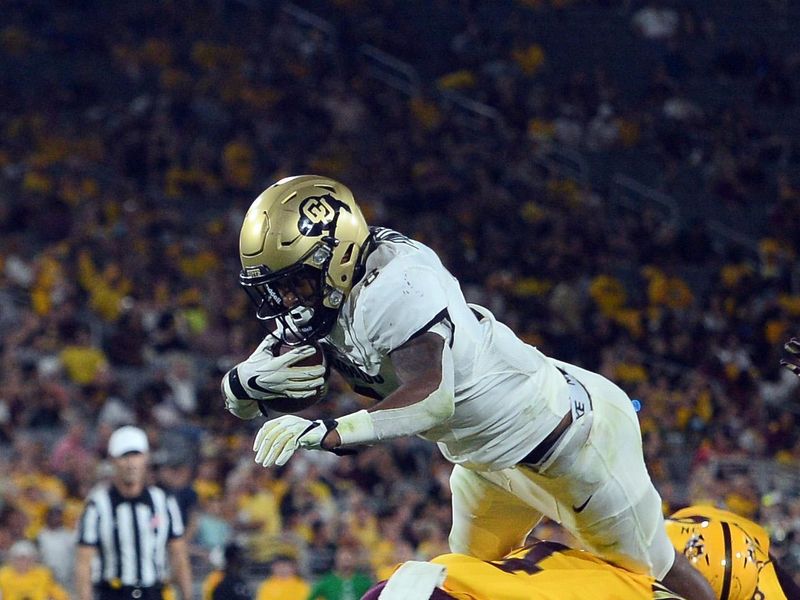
<point x="126" y="592"/>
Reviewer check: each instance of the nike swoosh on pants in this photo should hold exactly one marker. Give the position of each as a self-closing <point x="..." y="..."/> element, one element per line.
<point x="580" y="508"/>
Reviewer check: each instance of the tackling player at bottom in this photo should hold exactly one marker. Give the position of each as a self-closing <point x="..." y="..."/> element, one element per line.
<point x="731" y="552"/>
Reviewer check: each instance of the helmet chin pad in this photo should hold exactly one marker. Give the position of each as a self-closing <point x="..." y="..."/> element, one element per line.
<point x="304" y="324"/>
<point x="301" y="316"/>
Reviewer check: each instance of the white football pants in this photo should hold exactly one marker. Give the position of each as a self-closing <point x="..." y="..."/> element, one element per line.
<point x="598" y="489"/>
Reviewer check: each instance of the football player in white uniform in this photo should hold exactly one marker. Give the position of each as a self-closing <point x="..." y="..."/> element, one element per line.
<point x="528" y="435"/>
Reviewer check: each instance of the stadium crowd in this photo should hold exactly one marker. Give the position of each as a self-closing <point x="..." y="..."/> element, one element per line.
<point x="135" y="136"/>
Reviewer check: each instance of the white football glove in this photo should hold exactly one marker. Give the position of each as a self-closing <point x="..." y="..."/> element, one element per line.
<point x="263" y="377"/>
<point x="277" y="439"/>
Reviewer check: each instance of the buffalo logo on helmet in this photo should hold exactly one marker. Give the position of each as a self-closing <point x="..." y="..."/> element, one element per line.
<point x="318" y="214"/>
<point x="695" y="547"/>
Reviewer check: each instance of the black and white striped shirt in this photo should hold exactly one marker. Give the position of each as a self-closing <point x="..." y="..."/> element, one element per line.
<point x="130" y="534"/>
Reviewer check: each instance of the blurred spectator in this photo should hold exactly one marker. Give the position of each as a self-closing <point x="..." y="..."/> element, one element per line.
<point x="233" y="585"/>
<point x="31" y="488"/>
<point x="212" y="579"/>
<point x="82" y="360"/>
<point x="57" y="546"/>
<point x="181" y="381"/>
<point x="401" y="552"/>
<point x="23" y="578"/>
<point x="175" y="475"/>
<point x="127" y="344"/>
<point x="214" y="529"/>
<point x="72" y="453"/>
<point x="345" y="581"/>
<point x="167" y="335"/>
<point x="322" y="548"/>
<point x="654" y="21"/>
<point x="283" y="582"/>
<point x="258" y="514"/>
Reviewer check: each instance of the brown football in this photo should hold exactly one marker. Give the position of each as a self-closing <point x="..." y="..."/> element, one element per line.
<point x="293" y="405"/>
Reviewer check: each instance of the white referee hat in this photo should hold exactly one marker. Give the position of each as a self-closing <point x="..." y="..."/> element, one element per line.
<point x="127" y="439"/>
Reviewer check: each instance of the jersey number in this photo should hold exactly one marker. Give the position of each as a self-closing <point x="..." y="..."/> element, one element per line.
<point x="529" y="562"/>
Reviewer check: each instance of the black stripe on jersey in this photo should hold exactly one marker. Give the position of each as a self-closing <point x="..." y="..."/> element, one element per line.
<point x="117" y="544"/>
<point x="440" y="316"/>
<point x="82" y="523"/>
<point x="384" y="234"/>
<point x="103" y="560"/>
<point x="137" y="541"/>
<point x="726" y="578"/>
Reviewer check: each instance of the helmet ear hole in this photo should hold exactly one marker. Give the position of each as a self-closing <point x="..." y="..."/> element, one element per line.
<point x="347" y="257"/>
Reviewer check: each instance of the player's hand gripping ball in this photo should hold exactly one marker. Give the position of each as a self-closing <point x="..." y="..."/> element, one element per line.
<point x="283" y="378"/>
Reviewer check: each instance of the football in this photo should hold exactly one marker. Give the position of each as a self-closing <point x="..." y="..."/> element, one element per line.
<point x="293" y="405"/>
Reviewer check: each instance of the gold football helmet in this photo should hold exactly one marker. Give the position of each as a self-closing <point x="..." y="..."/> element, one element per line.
<point x="300" y="246"/>
<point x="721" y="551"/>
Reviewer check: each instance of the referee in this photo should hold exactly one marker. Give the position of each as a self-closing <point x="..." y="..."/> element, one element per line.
<point x="128" y="530"/>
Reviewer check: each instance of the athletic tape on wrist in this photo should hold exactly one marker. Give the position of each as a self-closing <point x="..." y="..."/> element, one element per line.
<point x="356" y="428"/>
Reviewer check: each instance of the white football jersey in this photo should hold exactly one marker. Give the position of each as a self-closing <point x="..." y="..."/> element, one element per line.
<point x="508" y="395"/>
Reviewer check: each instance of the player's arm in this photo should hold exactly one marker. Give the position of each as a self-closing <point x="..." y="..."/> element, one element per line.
<point x="178" y="549"/>
<point x="179" y="559"/>
<point x="83" y="571"/>
<point x="406" y="317"/>
<point x="424" y="398"/>
<point x="403" y="314"/>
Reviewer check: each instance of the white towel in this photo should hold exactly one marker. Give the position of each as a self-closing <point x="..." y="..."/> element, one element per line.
<point x="414" y="580"/>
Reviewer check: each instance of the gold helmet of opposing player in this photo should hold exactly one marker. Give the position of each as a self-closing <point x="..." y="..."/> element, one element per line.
<point x="300" y="245"/>
<point x="722" y="552"/>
